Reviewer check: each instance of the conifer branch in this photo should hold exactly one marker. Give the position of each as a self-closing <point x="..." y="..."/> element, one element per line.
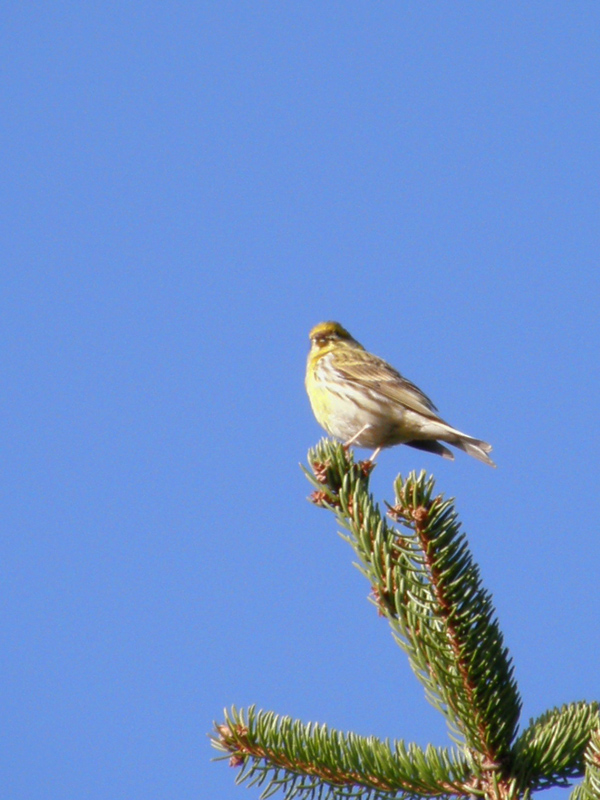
<point x="311" y="761"/>
<point x="425" y="582"/>
<point x="550" y="751"/>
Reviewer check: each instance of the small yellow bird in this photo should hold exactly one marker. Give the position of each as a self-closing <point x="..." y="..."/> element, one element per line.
<point x="362" y="400"/>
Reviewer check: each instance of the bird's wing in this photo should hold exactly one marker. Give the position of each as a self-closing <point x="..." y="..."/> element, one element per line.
<point x="377" y="375"/>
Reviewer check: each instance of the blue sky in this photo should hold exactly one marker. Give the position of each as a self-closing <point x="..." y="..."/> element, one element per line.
<point x="187" y="188"/>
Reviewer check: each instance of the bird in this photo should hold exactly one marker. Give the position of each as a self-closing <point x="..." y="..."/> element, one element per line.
<point x="362" y="400"/>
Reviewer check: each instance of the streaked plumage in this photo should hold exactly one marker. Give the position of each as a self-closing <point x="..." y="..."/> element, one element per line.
<point x="362" y="400"/>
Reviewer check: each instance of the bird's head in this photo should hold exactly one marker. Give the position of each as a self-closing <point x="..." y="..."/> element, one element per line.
<point x="327" y="333"/>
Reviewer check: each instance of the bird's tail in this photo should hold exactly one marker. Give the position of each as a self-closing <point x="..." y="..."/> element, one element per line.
<point x="474" y="447"/>
<point x="434" y="431"/>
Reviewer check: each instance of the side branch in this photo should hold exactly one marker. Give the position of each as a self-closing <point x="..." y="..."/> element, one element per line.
<point x="350" y="765"/>
<point x="423" y="518"/>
